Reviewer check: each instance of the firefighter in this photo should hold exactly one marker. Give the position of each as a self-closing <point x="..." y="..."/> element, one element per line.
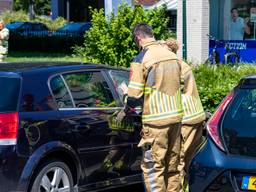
<point x="155" y="79"/>
<point x="4" y="36"/>
<point x="194" y="115"/>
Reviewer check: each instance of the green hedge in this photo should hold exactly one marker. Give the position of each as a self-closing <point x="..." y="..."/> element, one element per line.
<point x="23" y="17"/>
<point x="214" y="83"/>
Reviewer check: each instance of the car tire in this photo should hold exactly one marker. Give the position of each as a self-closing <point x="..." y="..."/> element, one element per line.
<point x="53" y="174"/>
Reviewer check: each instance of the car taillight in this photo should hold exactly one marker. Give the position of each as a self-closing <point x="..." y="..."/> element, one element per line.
<point x="212" y="125"/>
<point x="8" y="128"/>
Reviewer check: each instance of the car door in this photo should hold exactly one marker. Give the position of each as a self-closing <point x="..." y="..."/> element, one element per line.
<point x="103" y="152"/>
<point x="122" y="77"/>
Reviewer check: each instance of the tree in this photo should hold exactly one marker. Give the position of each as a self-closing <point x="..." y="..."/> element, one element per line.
<point x="41" y="7"/>
<point x="20" y="5"/>
<point x="109" y="41"/>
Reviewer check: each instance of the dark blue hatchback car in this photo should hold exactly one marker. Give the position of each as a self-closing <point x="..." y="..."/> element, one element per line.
<point x="58" y="130"/>
<point x="226" y="160"/>
<point x="25" y="29"/>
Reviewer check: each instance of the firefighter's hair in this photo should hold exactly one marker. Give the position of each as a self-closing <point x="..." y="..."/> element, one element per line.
<point x="143" y="29"/>
<point x="172" y="44"/>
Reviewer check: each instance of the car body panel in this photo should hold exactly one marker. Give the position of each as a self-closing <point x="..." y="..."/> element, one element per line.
<point x="11" y="166"/>
<point x="210" y="163"/>
<point x="81" y="134"/>
<point x="41" y="153"/>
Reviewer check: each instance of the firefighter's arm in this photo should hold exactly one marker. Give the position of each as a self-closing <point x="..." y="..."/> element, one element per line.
<point x="188" y="81"/>
<point x="185" y="70"/>
<point x="136" y="85"/>
<point x="133" y="95"/>
<point x="137" y="82"/>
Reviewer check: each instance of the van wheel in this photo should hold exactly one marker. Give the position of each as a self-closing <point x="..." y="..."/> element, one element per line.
<point x="53" y="176"/>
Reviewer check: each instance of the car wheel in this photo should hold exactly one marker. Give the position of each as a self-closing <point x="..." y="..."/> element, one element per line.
<point x="53" y="176"/>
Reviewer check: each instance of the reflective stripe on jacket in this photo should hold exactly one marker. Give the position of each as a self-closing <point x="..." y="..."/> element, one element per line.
<point x="155" y="77"/>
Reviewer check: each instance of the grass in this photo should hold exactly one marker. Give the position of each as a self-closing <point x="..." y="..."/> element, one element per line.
<point x="40" y="56"/>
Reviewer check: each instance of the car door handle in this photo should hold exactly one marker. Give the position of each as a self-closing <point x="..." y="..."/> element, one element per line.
<point x="81" y="128"/>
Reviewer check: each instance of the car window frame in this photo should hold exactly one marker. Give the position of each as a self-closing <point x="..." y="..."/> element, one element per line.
<point x="104" y="76"/>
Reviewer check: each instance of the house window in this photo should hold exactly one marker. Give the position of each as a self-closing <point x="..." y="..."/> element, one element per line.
<point x="224" y="25"/>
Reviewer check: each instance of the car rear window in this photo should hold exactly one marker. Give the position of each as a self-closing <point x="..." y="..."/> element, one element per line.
<point x="239" y="123"/>
<point x="10" y="93"/>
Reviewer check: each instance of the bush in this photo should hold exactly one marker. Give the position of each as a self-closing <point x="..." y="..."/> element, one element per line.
<point x="53" y="25"/>
<point x="214" y="83"/>
<point x="110" y="41"/>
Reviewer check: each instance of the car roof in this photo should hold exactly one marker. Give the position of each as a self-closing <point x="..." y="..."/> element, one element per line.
<point x="18" y="24"/>
<point x="247" y="81"/>
<point x="78" y="23"/>
<point x="14" y="25"/>
<point x="19" y="67"/>
<point x="74" y="26"/>
<point x="24" y="22"/>
<point x="250" y="77"/>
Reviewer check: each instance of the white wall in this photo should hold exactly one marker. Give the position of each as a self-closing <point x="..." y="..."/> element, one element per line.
<point x="197" y="29"/>
<point x="179" y="26"/>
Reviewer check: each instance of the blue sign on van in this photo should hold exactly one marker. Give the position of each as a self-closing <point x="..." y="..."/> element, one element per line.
<point x="245" y="49"/>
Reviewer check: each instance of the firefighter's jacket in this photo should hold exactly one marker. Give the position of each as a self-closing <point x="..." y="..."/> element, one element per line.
<point x="193" y="111"/>
<point x="4" y="42"/>
<point x="155" y="77"/>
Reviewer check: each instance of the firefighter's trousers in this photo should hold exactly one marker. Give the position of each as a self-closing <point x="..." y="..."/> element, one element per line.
<point x="191" y="137"/>
<point x="161" y="155"/>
